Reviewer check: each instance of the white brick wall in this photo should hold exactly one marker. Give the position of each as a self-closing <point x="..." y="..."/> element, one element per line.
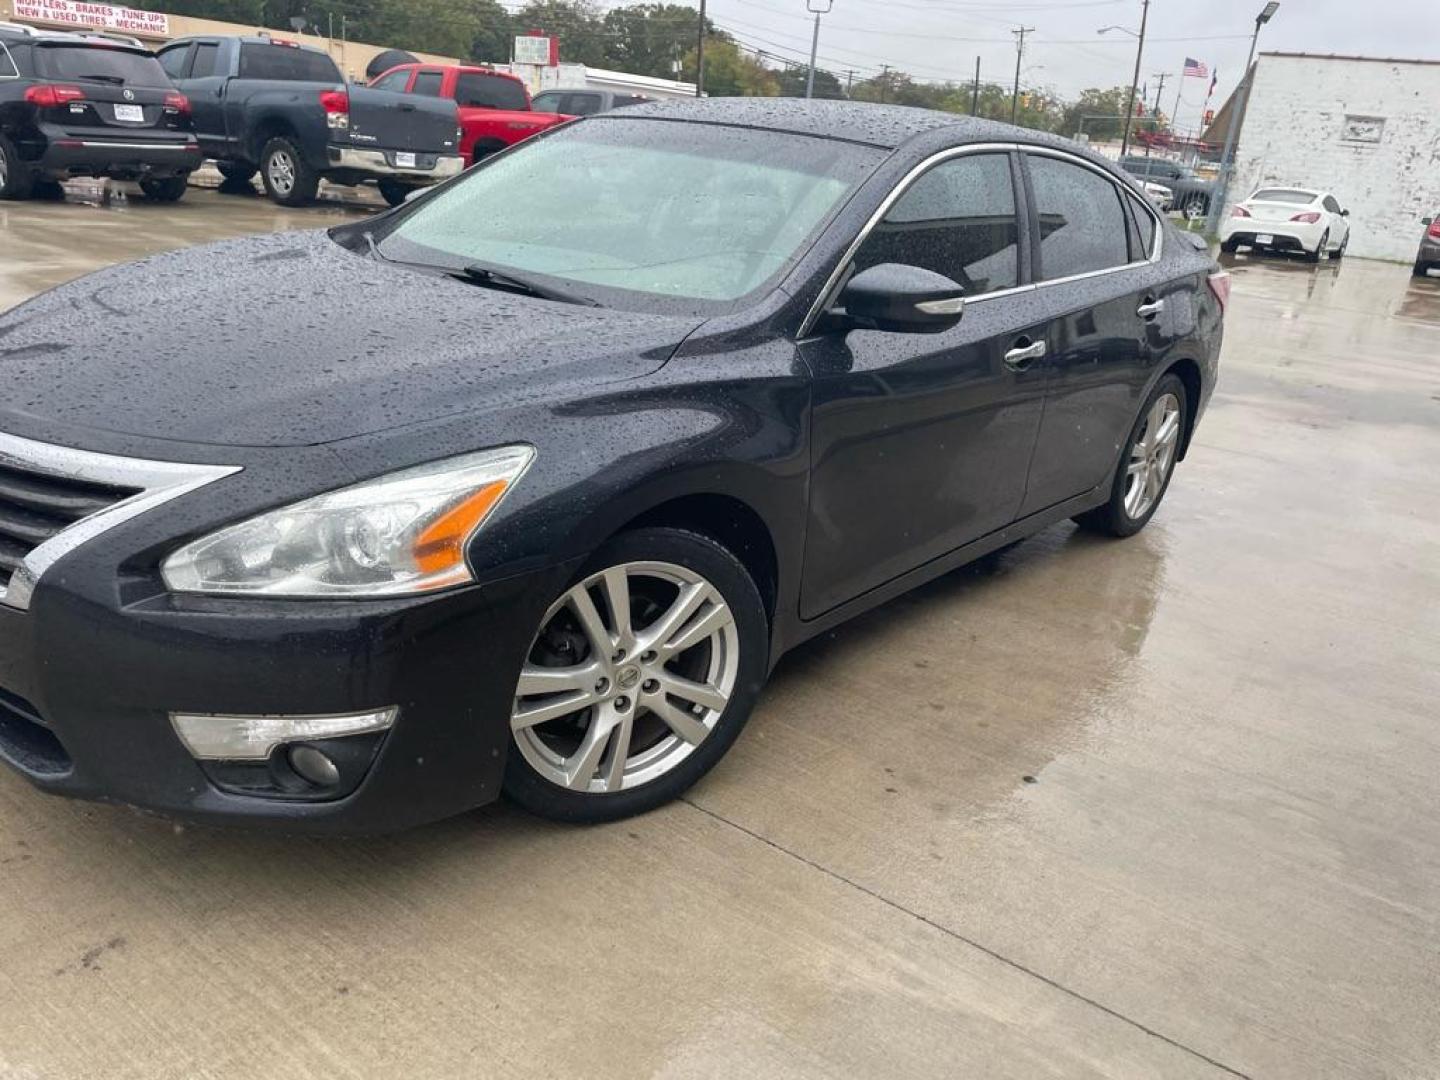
<point x="1300" y="131"/>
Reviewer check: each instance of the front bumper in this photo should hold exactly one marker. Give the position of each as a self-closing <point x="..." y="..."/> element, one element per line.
<point x="87" y="692"/>
<point x="428" y="168"/>
<point x="1284" y="235"/>
<point x="130" y="158"/>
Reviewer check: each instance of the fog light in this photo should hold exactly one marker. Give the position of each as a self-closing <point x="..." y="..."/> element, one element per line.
<point x="314" y="766"/>
<point x="253" y="738"/>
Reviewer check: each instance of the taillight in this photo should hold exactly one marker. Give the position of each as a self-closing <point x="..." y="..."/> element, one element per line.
<point x="1239" y="211"/>
<point x="1220" y="286"/>
<point x="52" y="96"/>
<point x="337" y="108"/>
<point x="1434" y="229"/>
<point x="177" y="103"/>
<point x="1309" y="217"/>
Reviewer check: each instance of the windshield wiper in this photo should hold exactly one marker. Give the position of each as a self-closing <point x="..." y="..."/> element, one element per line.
<point x="480" y="274"/>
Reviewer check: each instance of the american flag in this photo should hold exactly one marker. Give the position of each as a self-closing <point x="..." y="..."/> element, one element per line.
<point x="1196" y="68"/>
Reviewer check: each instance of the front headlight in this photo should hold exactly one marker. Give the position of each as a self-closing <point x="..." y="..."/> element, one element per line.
<point x="396" y="535"/>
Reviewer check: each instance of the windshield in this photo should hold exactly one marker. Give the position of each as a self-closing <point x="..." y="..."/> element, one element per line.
<point x="639" y="210"/>
<point x="1284" y="195"/>
<point x="100" y="63"/>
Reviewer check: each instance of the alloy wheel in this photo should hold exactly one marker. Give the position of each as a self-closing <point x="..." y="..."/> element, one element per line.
<point x="281" y="170"/>
<point x="630" y="672"/>
<point x="1152" y="456"/>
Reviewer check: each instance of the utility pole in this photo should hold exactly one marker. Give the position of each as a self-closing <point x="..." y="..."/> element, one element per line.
<point x="849" y="81"/>
<point x="1160" y="89"/>
<point x="975" y="92"/>
<point x="816" y="7"/>
<point x="700" y="54"/>
<point x="1180" y="91"/>
<point x="1240" y="105"/>
<point x="1019" y="33"/>
<point x="884" y="81"/>
<point x="1135" y="79"/>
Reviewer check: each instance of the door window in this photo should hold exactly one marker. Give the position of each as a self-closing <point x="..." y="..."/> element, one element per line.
<point x="958" y="220"/>
<point x="394" y="80"/>
<point x="427" y="83"/>
<point x="581" y="104"/>
<point x="206" y="62"/>
<point x="1082" y="223"/>
<point x="172" y="60"/>
<point x="286" y="63"/>
<point x="547" y="102"/>
<point x="475" y="90"/>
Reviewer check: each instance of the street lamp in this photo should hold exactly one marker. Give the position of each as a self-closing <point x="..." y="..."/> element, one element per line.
<point x="1139" y="37"/>
<point x="1237" y="117"/>
<point x="818" y="8"/>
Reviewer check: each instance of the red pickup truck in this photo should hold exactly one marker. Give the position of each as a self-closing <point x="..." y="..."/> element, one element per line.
<point x="494" y="109"/>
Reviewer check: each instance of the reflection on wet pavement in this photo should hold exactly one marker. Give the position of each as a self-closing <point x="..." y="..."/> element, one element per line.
<point x="1162" y="807"/>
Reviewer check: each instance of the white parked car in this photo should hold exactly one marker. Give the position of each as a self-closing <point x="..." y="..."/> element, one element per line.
<point x="1288" y="219"/>
<point x="1160" y="195"/>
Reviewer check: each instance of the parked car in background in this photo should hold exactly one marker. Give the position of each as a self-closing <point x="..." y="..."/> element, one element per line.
<point x="1428" y="257"/>
<point x="494" y="110"/>
<point x="1191" y="191"/>
<point x="1159" y="194"/>
<point x="269" y="104"/>
<point x="585" y="102"/>
<point x="650" y="404"/>
<point x="86" y="105"/>
<point x="1297" y="220"/>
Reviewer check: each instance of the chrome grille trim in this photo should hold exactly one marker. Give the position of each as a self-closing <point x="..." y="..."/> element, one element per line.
<point x="158" y="482"/>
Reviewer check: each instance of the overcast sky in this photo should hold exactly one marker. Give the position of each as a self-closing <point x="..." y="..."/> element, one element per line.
<point x="939" y="39"/>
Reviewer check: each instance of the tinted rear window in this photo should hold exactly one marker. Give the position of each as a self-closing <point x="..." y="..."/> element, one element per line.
<point x="287" y="64"/>
<point x="489" y="92"/>
<point x="99" y="63"/>
<point x="8" y="70"/>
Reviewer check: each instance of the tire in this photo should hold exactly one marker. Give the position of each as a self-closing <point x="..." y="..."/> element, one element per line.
<point x="1421" y="269"/>
<point x="238" y="172"/>
<point x="288" y="180"/>
<point x="727" y="665"/>
<point x="1230" y="247"/>
<point x="1119" y="516"/>
<point x="16" y="181"/>
<point x="1193" y="207"/>
<point x="49" y="190"/>
<point x="394" y="192"/>
<point x="1339" y="253"/>
<point x="169" y="189"/>
<point x="1314" y="256"/>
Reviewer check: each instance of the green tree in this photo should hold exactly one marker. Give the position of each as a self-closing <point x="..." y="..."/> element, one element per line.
<point x="647" y="39"/>
<point x="731" y="73"/>
<point x="576" y="23"/>
<point x="793" y="79"/>
<point x="1096" y="103"/>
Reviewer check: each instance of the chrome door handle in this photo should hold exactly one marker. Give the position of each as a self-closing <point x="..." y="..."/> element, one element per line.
<point x="1150" y="310"/>
<point x="1020" y="357"/>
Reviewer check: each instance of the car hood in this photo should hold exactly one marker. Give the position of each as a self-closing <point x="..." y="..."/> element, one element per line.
<point x="291" y="340"/>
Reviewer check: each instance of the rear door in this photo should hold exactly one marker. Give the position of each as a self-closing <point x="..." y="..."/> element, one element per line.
<point x="922" y="442"/>
<point x="203" y="77"/>
<point x="1105" y="308"/>
<point x="122" y="90"/>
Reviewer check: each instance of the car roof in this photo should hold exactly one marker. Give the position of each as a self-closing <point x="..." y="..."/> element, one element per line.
<point x="18" y="33"/>
<point x="886" y="126"/>
<point x="1314" y="193"/>
<point x="248" y="39"/>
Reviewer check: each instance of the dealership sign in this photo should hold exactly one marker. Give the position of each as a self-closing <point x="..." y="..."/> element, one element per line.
<point x="101" y="16"/>
<point x="535" y="49"/>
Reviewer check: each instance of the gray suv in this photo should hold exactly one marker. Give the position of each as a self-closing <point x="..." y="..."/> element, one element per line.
<point x="1428" y="257"/>
<point x="1192" y="191"/>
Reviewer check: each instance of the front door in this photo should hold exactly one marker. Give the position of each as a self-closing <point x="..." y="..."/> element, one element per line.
<point x="204" y="85"/>
<point x="922" y="442"/>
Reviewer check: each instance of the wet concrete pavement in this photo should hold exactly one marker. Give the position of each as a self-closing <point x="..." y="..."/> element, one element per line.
<point x="1164" y="807"/>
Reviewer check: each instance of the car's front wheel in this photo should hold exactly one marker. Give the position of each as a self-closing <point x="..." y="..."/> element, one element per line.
<point x="639" y="679"/>
<point x="1146" y="466"/>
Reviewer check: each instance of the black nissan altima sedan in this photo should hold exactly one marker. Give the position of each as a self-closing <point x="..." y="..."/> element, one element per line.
<point x="527" y="484"/>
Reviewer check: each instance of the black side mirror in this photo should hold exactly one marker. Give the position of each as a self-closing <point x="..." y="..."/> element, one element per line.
<point x="1344" y="213"/>
<point x="1426" y="220"/>
<point x="900" y="299"/>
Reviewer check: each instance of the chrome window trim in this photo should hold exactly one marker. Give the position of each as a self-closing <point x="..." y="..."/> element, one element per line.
<point x="827" y="294"/>
<point x="9" y="59"/>
<point x="158" y="481"/>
